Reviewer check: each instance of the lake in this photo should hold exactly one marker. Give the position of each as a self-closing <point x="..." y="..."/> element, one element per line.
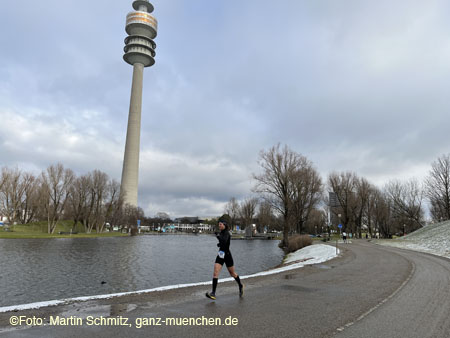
<point x="33" y="270"/>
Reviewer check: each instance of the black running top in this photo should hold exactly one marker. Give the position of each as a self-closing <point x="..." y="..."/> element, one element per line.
<point x="224" y="238"/>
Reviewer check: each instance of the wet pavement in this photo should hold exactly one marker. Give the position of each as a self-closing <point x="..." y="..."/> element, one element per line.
<point x="313" y="301"/>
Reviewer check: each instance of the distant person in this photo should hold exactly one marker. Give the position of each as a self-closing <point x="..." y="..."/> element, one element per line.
<point x="344" y="237"/>
<point x="224" y="256"/>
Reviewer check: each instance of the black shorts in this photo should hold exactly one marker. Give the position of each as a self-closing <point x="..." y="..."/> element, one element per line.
<point x="228" y="260"/>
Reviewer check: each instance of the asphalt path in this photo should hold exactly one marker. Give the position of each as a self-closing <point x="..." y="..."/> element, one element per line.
<point x="420" y="309"/>
<point x="369" y="291"/>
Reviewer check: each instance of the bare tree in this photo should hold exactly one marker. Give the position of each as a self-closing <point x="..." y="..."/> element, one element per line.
<point x="316" y="222"/>
<point x="11" y="195"/>
<point x="344" y="185"/>
<point x="370" y="214"/>
<point x="90" y="201"/>
<point x="94" y="201"/>
<point x="56" y="182"/>
<point x="30" y="200"/>
<point x="114" y="203"/>
<point x="381" y="213"/>
<point x="2" y="180"/>
<point x="307" y="193"/>
<point x="3" y="177"/>
<point x="276" y="182"/>
<point x="232" y="210"/>
<point x="363" y="189"/>
<point x="6" y="193"/>
<point x="79" y="194"/>
<point x="131" y="214"/>
<point x="247" y="211"/>
<point x="405" y="199"/>
<point x="99" y="193"/>
<point x="437" y="188"/>
<point x="265" y="216"/>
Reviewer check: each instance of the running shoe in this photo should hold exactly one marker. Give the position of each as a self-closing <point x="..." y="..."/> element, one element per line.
<point x="241" y="290"/>
<point x="211" y="295"/>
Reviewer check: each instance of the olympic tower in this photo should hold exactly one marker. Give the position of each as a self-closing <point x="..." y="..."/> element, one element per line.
<point x="139" y="49"/>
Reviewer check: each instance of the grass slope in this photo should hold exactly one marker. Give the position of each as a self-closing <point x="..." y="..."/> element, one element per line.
<point x="39" y="230"/>
<point x="434" y="238"/>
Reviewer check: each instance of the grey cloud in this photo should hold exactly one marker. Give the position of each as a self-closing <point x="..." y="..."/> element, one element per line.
<point x="352" y="85"/>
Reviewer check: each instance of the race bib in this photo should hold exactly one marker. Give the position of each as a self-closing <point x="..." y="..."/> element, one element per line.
<point x="222" y="254"/>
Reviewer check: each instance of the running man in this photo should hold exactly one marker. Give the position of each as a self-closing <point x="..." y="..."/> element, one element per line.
<point x="224" y="256"/>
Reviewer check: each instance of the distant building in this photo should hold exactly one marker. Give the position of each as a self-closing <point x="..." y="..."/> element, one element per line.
<point x="191" y="224"/>
<point x="194" y="227"/>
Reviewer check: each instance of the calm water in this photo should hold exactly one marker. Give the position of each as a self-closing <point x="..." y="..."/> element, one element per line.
<point x="34" y="270"/>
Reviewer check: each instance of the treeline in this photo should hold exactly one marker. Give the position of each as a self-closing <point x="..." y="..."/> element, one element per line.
<point x="292" y="194"/>
<point x="92" y="200"/>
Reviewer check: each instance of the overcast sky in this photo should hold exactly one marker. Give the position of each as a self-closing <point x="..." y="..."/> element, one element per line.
<point x="352" y="85"/>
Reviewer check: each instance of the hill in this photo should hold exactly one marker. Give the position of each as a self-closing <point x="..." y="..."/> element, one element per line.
<point x="434" y="239"/>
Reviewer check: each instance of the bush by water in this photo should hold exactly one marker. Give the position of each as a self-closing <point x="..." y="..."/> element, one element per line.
<point x="297" y="242"/>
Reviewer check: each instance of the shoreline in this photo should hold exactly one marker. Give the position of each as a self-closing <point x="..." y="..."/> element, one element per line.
<point x="55" y="236"/>
<point x="313" y="254"/>
<point x="37" y="235"/>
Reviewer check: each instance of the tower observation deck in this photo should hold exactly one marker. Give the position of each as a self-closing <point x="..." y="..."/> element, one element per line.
<point x="139" y="49"/>
<point x="141" y="27"/>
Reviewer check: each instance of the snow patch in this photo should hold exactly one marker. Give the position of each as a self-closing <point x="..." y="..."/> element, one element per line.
<point x="317" y="253"/>
<point x="433" y="239"/>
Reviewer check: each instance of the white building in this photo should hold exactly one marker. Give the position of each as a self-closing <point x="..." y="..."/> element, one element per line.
<point x="191" y="227"/>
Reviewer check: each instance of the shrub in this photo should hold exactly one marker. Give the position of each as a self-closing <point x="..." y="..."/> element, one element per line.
<point x="297" y="242"/>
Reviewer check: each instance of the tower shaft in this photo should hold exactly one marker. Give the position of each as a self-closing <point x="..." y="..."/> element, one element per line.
<point x="139" y="49"/>
<point x="130" y="171"/>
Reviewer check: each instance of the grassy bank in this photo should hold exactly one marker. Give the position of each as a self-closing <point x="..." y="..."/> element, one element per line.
<point x="39" y="230"/>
